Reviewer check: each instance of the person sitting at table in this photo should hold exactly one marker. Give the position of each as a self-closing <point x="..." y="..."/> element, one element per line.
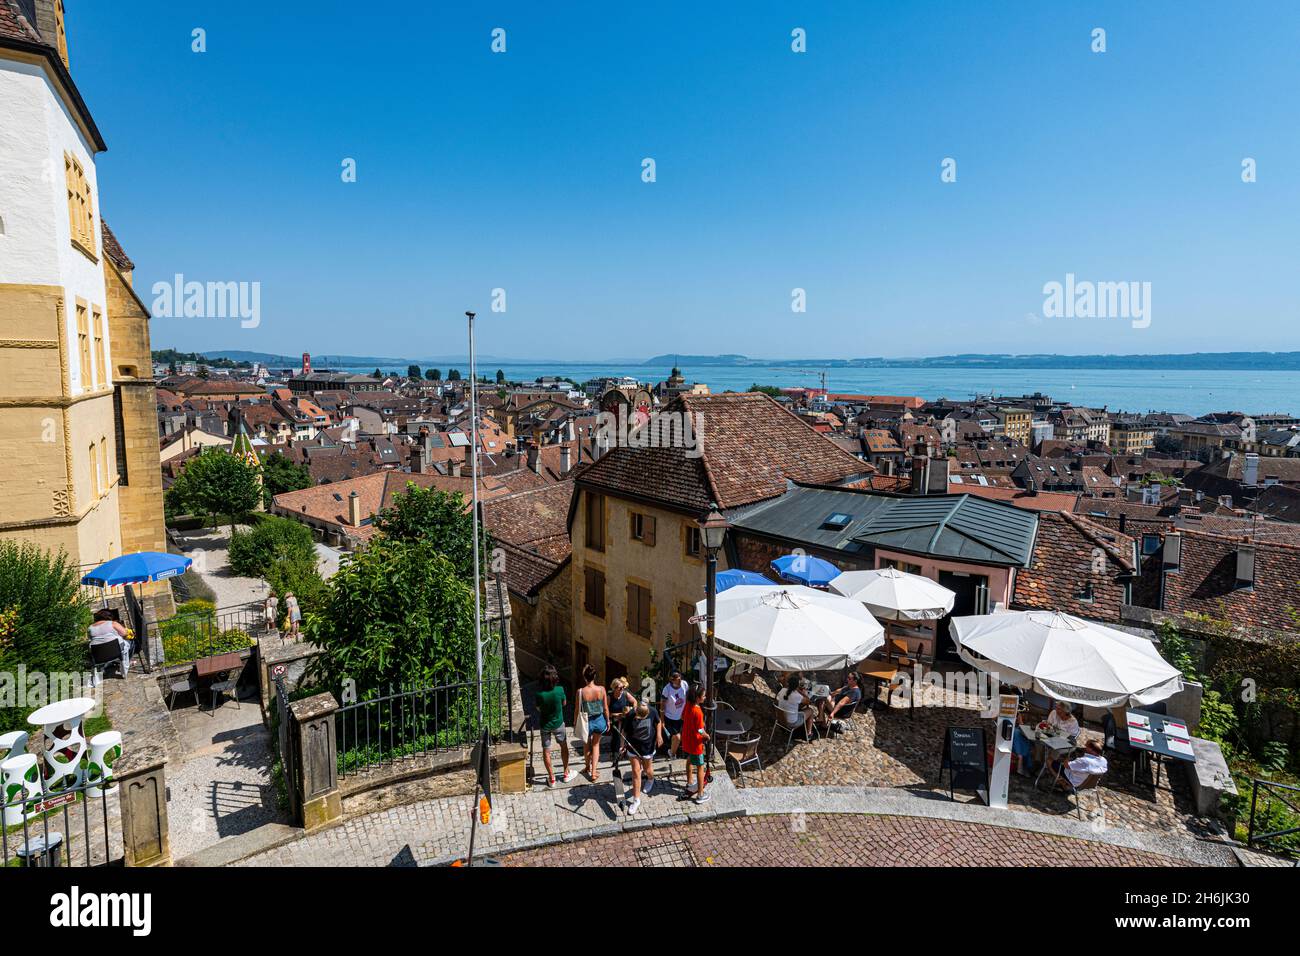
<point x="1022" y="748"/>
<point x="1091" y="761"/>
<point x="105" y="629"/>
<point x="1060" y="722"/>
<point x="794" y="704"/>
<point x="843" y="699"/>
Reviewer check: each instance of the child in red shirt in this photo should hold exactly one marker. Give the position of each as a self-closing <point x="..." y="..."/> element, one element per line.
<point x="693" y="740"/>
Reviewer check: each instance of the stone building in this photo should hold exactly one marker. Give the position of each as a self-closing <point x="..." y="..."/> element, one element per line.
<point x="78" y="431"/>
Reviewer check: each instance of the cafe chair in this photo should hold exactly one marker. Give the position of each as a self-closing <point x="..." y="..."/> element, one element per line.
<point x="742" y="752"/>
<point x="106" y="655"/>
<point x="1093" y="783"/>
<point x="187" y="685"/>
<point x="228" y="686"/>
<point x="781" y="722"/>
<point x="1115" y="741"/>
<point x="844" y="720"/>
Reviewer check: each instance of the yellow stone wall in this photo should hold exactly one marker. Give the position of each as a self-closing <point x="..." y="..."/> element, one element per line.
<point x="670" y="574"/>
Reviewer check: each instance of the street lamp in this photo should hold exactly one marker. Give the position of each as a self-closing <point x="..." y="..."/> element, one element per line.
<point x="713" y="529"/>
<point x="473" y="472"/>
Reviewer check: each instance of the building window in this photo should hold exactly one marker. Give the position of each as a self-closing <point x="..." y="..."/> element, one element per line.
<point x="81" y="212"/>
<point x="638" y="610"/>
<point x="83" y="346"/>
<point x="119" y="436"/>
<point x="694" y="543"/>
<point x="614" y="669"/>
<point x="61" y="32"/>
<point x="643" y="528"/>
<point x="103" y="462"/>
<point x="593" y="592"/>
<point x="596" y="522"/>
<point x="97" y="328"/>
<point x="94" y="471"/>
<point x="901" y="566"/>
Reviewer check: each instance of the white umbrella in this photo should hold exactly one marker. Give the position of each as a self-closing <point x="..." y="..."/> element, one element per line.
<point x="792" y="627"/>
<point x="1066" y="657"/>
<point x="894" y="595"/>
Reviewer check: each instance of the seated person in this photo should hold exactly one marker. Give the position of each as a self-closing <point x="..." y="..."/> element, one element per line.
<point x="793" y="702"/>
<point x="105" y="629"/>
<point x="1062" y="721"/>
<point x="842" y="700"/>
<point x="1022" y="748"/>
<point x="1090" y="762"/>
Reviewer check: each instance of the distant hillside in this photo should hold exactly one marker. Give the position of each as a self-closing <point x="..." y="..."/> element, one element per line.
<point x="1192" y="361"/>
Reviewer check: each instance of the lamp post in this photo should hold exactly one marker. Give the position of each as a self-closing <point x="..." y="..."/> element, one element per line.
<point x="473" y="471"/>
<point x="713" y="529"/>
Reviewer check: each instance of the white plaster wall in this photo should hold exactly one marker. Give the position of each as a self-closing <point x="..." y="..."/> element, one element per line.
<point x="36" y="129"/>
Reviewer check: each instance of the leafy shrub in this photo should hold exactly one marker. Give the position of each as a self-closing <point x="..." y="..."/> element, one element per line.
<point x="271" y="541"/>
<point x="43" y="616"/>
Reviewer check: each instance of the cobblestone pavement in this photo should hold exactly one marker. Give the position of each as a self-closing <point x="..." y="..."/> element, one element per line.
<point x="435" y="831"/>
<point x="900" y="748"/>
<point x="836" y="840"/>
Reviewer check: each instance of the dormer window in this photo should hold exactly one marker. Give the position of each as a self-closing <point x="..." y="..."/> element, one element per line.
<point x="1246" y="566"/>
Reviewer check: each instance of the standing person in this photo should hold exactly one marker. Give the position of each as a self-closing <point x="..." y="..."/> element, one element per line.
<point x="550" y="717"/>
<point x="592" y="701"/>
<point x="269" y="609"/>
<point x="295" y="612"/>
<point x="672" y="703"/>
<point x="645" y="735"/>
<point x="105" y="629"/>
<point x="693" y="740"/>
<point x="621" y="704"/>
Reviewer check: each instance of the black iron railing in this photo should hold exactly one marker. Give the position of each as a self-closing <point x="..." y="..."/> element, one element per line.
<point x="1274" y="816"/>
<point x="193" y="635"/>
<point x="73" y="827"/>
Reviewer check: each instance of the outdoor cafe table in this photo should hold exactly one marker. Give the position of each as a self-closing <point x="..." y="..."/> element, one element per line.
<point x="212" y="666"/>
<point x="1060" y="745"/>
<point x="730" y="723"/>
<point x="1169" y="737"/>
<point x="882" y="672"/>
<point x="63" y="754"/>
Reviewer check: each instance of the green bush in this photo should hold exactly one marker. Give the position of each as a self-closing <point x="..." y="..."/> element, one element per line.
<point x="271" y="541"/>
<point x="43" y="617"/>
<point x="300" y="576"/>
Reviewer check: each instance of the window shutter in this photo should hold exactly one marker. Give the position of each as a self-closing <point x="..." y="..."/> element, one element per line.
<point x="643" y="617"/>
<point x="631" y="607"/>
<point x="648" y="529"/>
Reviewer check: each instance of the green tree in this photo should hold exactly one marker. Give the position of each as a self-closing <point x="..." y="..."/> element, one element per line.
<point x="399" y="614"/>
<point x="413" y="372"/>
<point x="376" y="374"/>
<point x="43" y="618"/>
<point x="431" y="374"/>
<point x="281" y="473"/>
<point x="272" y="540"/>
<point x="453" y="375"/>
<point x="766" y="390"/>
<point x="216" y="483"/>
<point x="439" y="517"/>
<point x="501" y="377"/>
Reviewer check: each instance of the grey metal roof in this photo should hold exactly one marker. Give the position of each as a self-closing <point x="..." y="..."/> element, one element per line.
<point x="956" y="527"/>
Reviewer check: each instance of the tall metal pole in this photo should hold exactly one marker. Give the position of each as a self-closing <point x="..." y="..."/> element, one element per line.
<point x="473" y="471"/>
<point x="710" y="607"/>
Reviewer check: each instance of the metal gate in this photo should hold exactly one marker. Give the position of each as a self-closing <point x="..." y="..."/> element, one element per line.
<point x="288" y="745"/>
<point x="75" y="826"/>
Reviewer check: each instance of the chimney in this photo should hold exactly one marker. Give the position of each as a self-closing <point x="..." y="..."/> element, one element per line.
<point x="920" y="465"/>
<point x="354" y="510"/>
<point x="1123" y="522"/>
<point x="1250" y="471"/>
<point x="566" y="459"/>
<point x="417" y="459"/>
<point x="469" y="451"/>
<point x="571" y="431"/>
<point x="533" y="464"/>
<point x="456" y="468"/>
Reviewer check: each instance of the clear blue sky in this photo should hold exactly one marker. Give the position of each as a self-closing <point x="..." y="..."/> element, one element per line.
<point x="775" y="170"/>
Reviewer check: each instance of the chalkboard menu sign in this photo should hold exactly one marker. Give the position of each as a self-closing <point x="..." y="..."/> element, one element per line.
<point x="964" y="757"/>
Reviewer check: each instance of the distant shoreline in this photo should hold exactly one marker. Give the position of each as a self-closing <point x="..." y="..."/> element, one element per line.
<point x="1194" y="361"/>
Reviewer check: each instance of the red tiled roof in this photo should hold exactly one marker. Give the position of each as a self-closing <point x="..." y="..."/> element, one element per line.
<point x="751" y="448"/>
<point x="532" y="526"/>
<point x="1070" y="552"/>
<point x="113" y="249"/>
<point x="1043" y="501"/>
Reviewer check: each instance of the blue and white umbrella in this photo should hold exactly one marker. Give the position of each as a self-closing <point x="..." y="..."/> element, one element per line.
<point x="137" y="568"/>
<point x="805" y="569"/>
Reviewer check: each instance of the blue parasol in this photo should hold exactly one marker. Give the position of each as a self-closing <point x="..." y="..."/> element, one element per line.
<point x="734" y="576"/>
<point x="805" y="569"/>
<point x="137" y="568"/>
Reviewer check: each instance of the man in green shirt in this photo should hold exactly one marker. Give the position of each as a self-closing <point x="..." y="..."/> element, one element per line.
<point x="550" y="712"/>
